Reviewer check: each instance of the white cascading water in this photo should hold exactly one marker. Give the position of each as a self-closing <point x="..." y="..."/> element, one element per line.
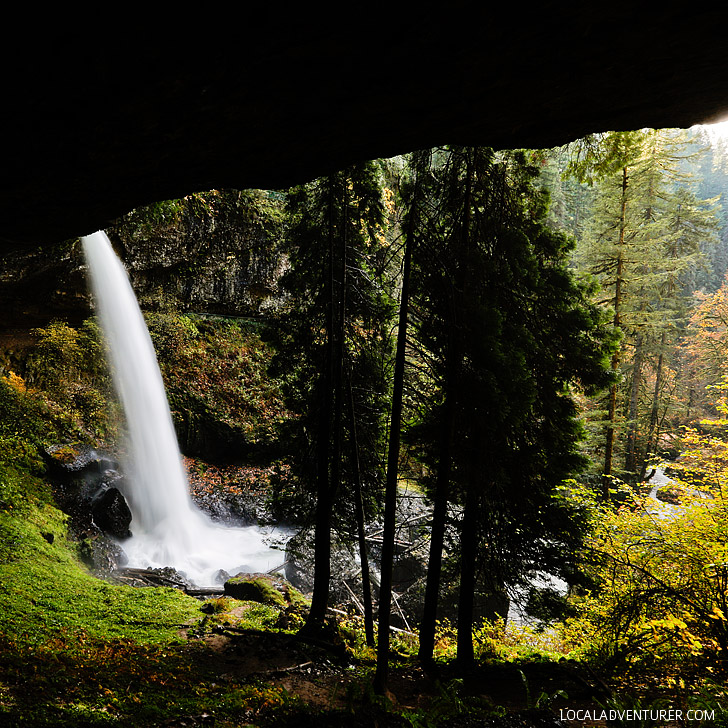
<point x="167" y="528"/>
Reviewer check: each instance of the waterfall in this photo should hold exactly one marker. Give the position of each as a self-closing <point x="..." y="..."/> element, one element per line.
<point x="167" y="528"/>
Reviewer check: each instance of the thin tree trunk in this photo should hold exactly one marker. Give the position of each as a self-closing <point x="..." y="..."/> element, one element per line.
<point x="366" y="587"/>
<point x="468" y="557"/>
<point x="322" y="526"/>
<point x="444" y="463"/>
<point x="630" y="462"/>
<point x="390" y="497"/>
<point x="340" y="347"/>
<point x="437" y="536"/>
<point x="612" y="402"/>
<point x="652" y="433"/>
<point x="469" y="527"/>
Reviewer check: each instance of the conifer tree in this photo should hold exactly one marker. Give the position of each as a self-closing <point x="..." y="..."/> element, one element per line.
<point x="495" y="311"/>
<point x="646" y="240"/>
<point x="334" y="345"/>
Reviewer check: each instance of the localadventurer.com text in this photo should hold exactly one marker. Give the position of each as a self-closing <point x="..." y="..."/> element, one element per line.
<point x="661" y="716"/>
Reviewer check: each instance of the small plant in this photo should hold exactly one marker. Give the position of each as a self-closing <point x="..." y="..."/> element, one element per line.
<point x="361" y="693"/>
<point x="512" y="641"/>
<point x="351" y="630"/>
<point x="217" y="605"/>
<point x="450" y="703"/>
<point x="629" y="712"/>
<point x="445" y="641"/>
<point x="544" y="699"/>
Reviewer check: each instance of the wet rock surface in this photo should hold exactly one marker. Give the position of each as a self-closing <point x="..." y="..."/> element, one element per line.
<point x="89" y="488"/>
<point x="409" y="569"/>
<point x="217" y="253"/>
<point x="160" y="576"/>
<point x="111" y="513"/>
<point x="235" y="495"/>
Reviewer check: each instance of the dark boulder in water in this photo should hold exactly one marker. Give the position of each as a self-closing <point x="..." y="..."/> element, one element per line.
<point x="111" y="513"/>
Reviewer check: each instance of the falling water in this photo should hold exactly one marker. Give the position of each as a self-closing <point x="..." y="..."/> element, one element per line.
<point x="167" y="528"/>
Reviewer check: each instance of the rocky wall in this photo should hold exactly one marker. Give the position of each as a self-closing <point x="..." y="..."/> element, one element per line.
<point x="216" y="252"/>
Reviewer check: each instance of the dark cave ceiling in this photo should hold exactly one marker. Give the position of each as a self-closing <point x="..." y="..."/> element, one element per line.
<point x="97" y="125"/>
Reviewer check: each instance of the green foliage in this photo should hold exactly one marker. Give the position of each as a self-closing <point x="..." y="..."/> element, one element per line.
<point x="659" y="597"/>
<point x="19" y="489"/>
<point x="63" y="394"/>
<point x="496" y="641"/>
<point x="338" y="218"/>
<point x="496" y="311"/>
<point x="24" y="423"/>
<point x="80" y="651"/>
<point x="45" y="590"/>
<point x="513" y="642"/>
<point x="597" y="156"/>
<point x="216" y="375"/>
<point x="648" y="237"/>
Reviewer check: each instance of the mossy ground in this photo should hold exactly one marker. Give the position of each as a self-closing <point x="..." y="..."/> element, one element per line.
<point x="78" y="651"/>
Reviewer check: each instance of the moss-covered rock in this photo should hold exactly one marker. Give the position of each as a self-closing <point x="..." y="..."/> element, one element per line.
<point x="266" y="589"/>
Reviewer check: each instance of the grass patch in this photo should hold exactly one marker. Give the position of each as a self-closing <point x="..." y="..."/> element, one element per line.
<point x="44" y="589"/>
<point x="77" y="651"/>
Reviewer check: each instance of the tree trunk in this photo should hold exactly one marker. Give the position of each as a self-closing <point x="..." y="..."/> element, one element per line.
<point x="390" y="497"/>
<point x="340" y="344"/>
<point x="652" y="433"/>
<point x="630" y="462"/>
<point x="361" y="536"/>
<point x="468" y="558"/>
<point x="612" y="402"/>
<point x="437" y="536"/>
<point x="322" y="525"/>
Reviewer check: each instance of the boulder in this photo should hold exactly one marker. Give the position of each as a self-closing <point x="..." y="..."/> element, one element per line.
<point x="101" y="553"/>
<point x="266" y="589"/>
<point x="89" y="488"/>
<point x="111" y="513"/>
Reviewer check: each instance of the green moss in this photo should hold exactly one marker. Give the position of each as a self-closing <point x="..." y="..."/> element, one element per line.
<point x="79" y="651"/>
<point x="257" y="588"/>
<point x="227" y="612"/>
<point x="20" y="491"/>
<point x="44" y="590"/>
<point x="259" y="616"/>
<point x="296" y="600"/>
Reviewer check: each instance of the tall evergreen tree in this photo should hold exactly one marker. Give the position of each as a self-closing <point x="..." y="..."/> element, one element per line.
<point x="496" y="310"/>
<point x="646" y="241"/>
<point x="334" y="346"/>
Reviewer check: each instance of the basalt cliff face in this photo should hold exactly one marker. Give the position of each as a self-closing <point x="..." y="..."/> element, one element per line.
<point x="216" y="252"/>
<point x="95" y="125"/>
